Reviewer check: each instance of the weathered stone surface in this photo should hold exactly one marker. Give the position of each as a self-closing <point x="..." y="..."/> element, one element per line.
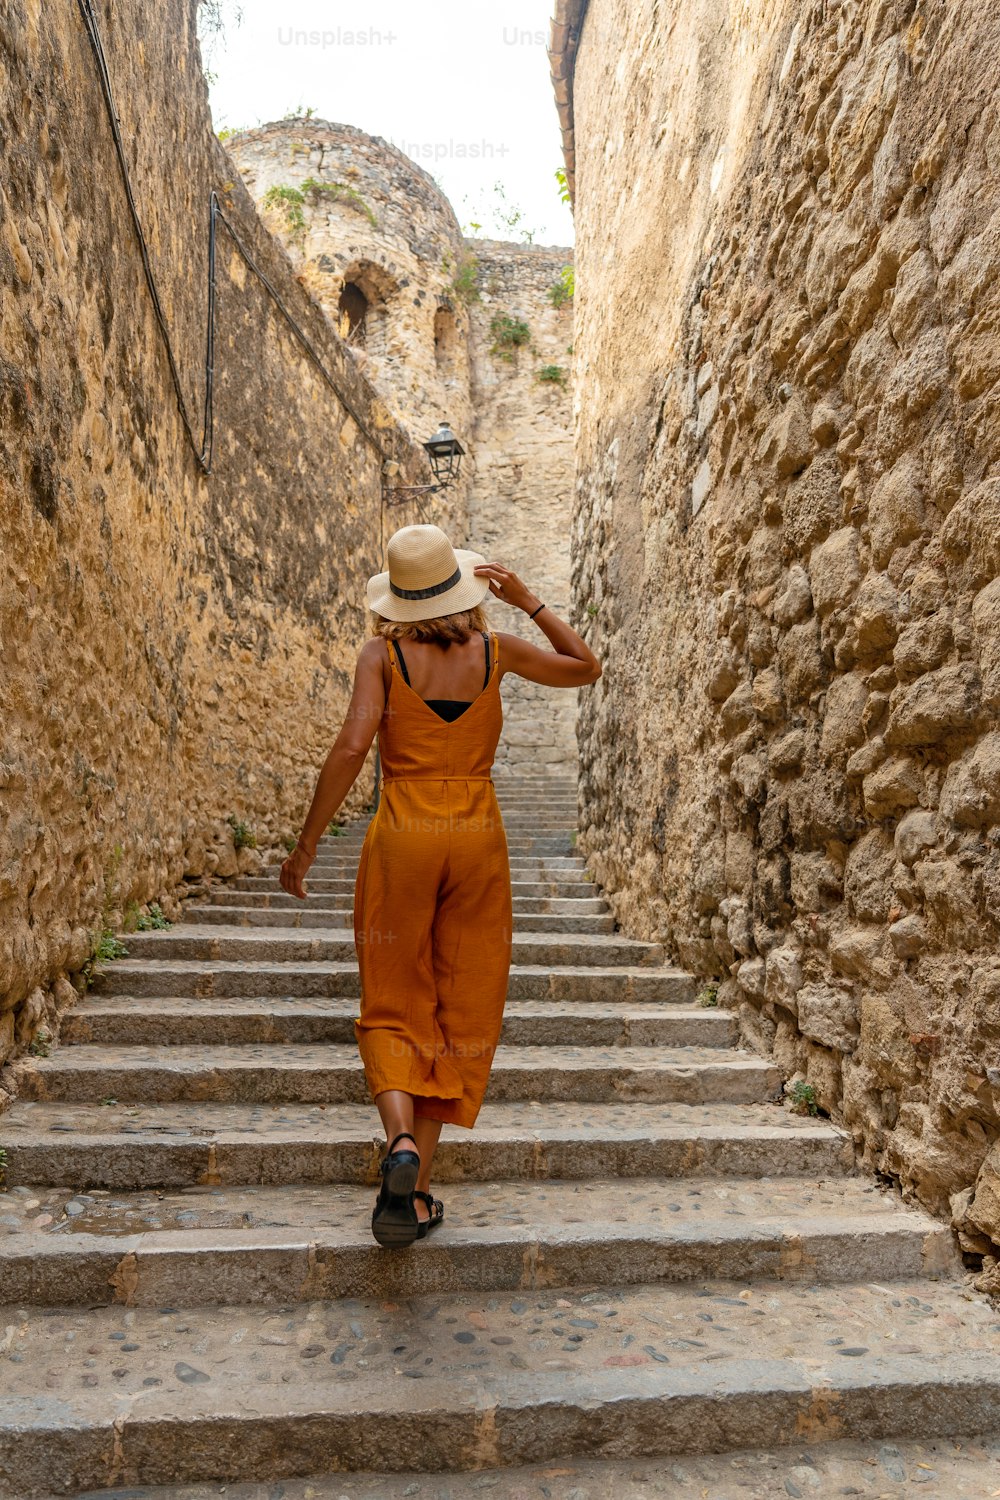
<point x="794" y="601"/>
<point x="896" y="510"/>
<point x="908" y="937"/>
<point x="783" y="979"/>
<point x="915" y="833"/>
<point x="828" y="1015"/>
<point x="835" y="570"/>
<point x="938" y="706"/>
<point x="867" y="875"/>
<point x="970" y="537"/>
<point x="971" y="792"/>
<point x="922" y="646"/>
<point x="894" y="787"/>
<point x="876" y="615"/>
<point x="986" y="625"/>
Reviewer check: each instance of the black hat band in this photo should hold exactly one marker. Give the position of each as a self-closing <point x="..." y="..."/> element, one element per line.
<point x="437" y="588"/>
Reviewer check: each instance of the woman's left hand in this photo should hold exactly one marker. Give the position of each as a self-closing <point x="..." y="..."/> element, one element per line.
<point x="505" y="585"/>
<point x="294" y="871"/>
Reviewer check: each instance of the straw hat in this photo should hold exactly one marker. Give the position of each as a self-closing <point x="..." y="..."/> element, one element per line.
<point x="427" y="577"/>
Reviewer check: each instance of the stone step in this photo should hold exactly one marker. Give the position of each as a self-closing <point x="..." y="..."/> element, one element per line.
<point x="527" y="867"/>
<point x="202" y="978"/>
<point x="518" y="847"/>
<point x="285" y="1245"/>
<point x="562" y="858"/>
<point x="171" y="1397"/>
<point x="569" y="884"/>
<point x="527" y="839"/>
<point x="275" y="899"/>
<point x="319" y="914"/>
<point x="262" y="1073"/>
<point x="191" y="941"/>
<point x="117" y="1020"/>
<point x="529" y="821"/>
<point x="179" y="1145"/>
<point x="940" y="1468"/>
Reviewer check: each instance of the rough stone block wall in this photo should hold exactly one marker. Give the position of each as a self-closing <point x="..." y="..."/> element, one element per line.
<point x="174" y="650"/>
<point x="788" y="272"/>
<point x="521" y="499"/>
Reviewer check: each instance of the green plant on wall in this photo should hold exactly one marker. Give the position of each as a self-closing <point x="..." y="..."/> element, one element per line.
<point x="509" y="335"/>
<point x="41" y="1044"/>
<point x="243" y="835"/>
<point x="803" y="1097"/>
<point x="465" y="280"/>
<point x="290" y="202"/>
<point x="563" y="290"/>
<point x="342" y="191"/>
<point x="552" y="375"/>
<point x="151" y="920"/>
<point x="562" y="185"/>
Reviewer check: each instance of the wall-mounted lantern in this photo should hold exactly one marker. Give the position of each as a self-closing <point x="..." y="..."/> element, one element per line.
<point x="445" y="453"/>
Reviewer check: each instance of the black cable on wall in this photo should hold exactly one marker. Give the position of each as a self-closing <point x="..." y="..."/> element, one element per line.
<point x="202" y="451"/>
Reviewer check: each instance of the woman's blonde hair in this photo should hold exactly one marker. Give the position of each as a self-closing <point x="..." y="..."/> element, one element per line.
<point x="444" y="629"/>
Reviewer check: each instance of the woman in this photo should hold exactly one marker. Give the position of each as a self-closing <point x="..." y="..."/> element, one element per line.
<point x="432" y="906"/>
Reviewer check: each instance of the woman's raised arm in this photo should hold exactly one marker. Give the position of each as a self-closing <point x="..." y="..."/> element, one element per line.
<point x="570" y="663"/>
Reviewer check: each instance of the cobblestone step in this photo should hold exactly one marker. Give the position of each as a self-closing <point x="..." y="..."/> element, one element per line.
<point x="171" y="1395"/>
<point x="274" y="898"/>
<point x="262" y="1073"/>
<point x="522" y="849"/>
<point x="569" y="884"/>
<point x="314" y="914"/>
<point x="191" y="941"/>
<point x="118" y="1020"/>
<point x="287" y="1245"/>
<point x="938" y="1468"/>
<point x="211" y="977"/>
<point x="565" y="866"/>
<point x="179" y="1145"/>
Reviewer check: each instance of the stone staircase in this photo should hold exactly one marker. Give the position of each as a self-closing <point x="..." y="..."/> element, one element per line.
<point x="644" y="1255"/>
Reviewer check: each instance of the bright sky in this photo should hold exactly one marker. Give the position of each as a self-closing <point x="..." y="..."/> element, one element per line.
<point x="461" y="86"/>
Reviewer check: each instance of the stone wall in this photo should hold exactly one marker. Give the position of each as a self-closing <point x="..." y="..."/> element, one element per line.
<point x="352" y="209"/>
<point x="521" y="498"/>
<point x="788" y="272"/>
<point x="176" y="650"/>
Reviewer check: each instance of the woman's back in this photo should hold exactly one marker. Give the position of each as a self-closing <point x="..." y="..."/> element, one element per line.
<point x="456" y="672"/>
<point x="417" y="740"/>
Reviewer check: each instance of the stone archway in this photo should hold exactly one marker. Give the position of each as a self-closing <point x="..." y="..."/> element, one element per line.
<point x="365" y="301"/>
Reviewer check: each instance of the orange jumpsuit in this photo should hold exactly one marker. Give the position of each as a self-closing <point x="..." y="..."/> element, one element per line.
<point x="432" y="905"/>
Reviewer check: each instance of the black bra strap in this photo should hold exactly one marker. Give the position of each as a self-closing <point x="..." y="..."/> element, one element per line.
<point x="486" y="647"/>
<point x="402" y="663"/>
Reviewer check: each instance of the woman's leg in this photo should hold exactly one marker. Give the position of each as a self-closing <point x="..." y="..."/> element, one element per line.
<point x="396" y="1110"/>
<point x="427" y="1132"/>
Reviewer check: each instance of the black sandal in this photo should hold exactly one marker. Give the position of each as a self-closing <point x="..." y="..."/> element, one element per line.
<point x="424" y="1226"/>
<point x="394" y="1218"/>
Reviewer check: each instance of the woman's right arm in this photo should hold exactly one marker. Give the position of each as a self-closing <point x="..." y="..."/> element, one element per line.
<point x="570" y="663"/>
